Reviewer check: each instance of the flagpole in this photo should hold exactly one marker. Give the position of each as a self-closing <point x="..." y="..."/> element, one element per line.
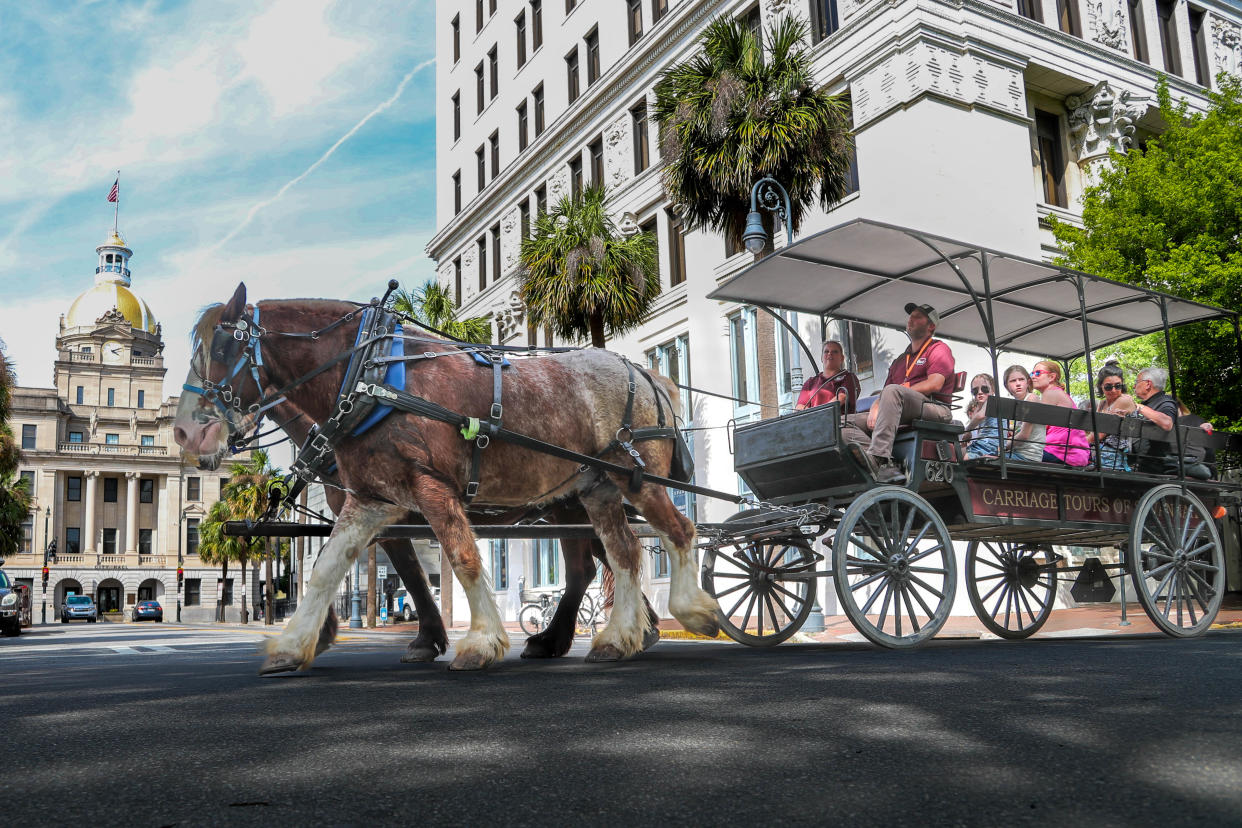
<point x="117" y="211"/>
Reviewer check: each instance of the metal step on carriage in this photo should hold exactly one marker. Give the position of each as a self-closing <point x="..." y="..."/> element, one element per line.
<point x="890" y="548"/>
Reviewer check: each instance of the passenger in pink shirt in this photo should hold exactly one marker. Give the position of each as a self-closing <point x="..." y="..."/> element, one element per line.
<point x="919" y="387"/>
<point x="1062" y="445"/>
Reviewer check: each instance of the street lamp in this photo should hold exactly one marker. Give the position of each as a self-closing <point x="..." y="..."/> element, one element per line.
<point x="771" y="196"/>
<point x="355" y="615"/>
<point x="47" y="517"/>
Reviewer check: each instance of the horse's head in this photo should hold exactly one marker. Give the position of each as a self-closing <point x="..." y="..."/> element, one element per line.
<point x="212" y="406"/>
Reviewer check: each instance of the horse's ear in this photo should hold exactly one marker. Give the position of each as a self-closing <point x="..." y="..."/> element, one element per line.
<point x="236" y="306"/>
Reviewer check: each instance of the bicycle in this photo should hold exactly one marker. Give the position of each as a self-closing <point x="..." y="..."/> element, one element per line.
<point x="537" y="611"/>
<point x="590" y="615"/>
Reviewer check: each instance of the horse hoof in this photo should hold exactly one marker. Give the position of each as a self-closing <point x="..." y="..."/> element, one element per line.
<point x="608" y="652"/>
<point x="651" y="637"/>
<point x="469" y="661"/>
<point x="279" y="664"/>
<point x="415" y="655"/>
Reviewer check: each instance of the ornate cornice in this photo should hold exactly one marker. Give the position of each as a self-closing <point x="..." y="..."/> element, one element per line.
<point x="1102" y="119"/>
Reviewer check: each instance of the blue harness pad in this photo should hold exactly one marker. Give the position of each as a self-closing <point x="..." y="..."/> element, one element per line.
<point x="394" y="377"/>
<point x="485" y="362"/>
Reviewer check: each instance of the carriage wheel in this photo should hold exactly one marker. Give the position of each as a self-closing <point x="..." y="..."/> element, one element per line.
<point x="893" y="566"/>
<point x="531" y="619"/>
<point x="1010" y="587"/>
<point x="1177" y="562"/>
<point x="756" y="583"/>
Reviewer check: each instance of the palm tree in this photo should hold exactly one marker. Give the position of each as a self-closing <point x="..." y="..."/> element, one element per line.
<point x="735" y="112"/>
<point x="582" y="277"/>
<point x="250" y="491"/>
<point x="215" y="547"/>
<point x="14" y="492"/>
<point x="432" y="305"/>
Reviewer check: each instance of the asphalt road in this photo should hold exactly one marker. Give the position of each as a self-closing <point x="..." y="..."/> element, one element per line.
<point x="148" y="726"/>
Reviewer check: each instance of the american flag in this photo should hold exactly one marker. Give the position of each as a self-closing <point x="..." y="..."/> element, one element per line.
<point x="115" y="192"/>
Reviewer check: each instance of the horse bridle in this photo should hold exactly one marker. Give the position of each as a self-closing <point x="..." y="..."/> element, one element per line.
<point x="237" y="344"/>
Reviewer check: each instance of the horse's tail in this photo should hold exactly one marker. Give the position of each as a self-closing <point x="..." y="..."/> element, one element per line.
<point x="668" y="399"/>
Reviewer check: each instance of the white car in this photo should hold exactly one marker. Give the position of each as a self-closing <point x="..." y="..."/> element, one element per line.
<point x="405" y="604"/>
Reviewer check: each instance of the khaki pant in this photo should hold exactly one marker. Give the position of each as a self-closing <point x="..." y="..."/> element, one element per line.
<point x="897" y="406"/>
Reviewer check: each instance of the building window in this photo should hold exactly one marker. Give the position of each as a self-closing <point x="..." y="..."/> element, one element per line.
<point x="649" y="226"/>
<point x="224" y="484"/>
<point x="672" y="359"/>
<point x="596" y="151"/>
<point x="146" y="490"/>
<point x="575" y="177"/>
<point x="541" y="200"/>
<point x="457" y="115"/>
<point x="457" y="192"/>
<point x="226" y="585"/>
<point x="478" y="16"/>
<point x="861" y="355"/>
<point x="191" y="536"/>
<point x="112" y="439"/>
<point x="1198" y="45"/>
<point x="1165" y="10"/>
<point x="851" y="174"/>
<point x="742" y="350"/>
<point x="111" y="397"/>
<point x="569" y="6"/>
<point x="491" y="6"/>
<point x="1051" y="158"/>
<point x="142" y="398"/>
<point x="73" y="488"/>
<point x="73" y="540"/>
<point x="79" y="394"/>
<point x="482" y="251"/>
<point x="500" y="564"/>
<point x="480" y="167"/>
<point x="659" y="8"/>
<point x="642" y="150"/>
<point x="75" y="436"/>
<point x="27" y="542"/>
<point x="144" y="541"/>
<point x="592" y="50"/>
<point x="28" y="436"/>
<point x="495" y="251"/>
<point x="546" y="566"/>
<point x="193" y="591"/>
<point x="457" y="282"/>
<point x="634" y="18"/>
<point x="493" y="145"/>
<point x="521" y="118"/>
<point x="110" y="489"/>
<point x="676" y="249"/>
<point x="520" y="24"/>
<point x="28" y="477"/>
<point x="479" y="91"/>
<point x="193" y="488"/>
<point x="524" y="217"/>
<point x="659" y="561"/>
<point x="1138" y="34"/>
<point x="538" y="96"/>
<point x="571" y="74"/>
<point x="1067" y="18"/>
<point x="109" y="541"/>
<point x="753" y="22"/>
<point x="825" y="20"/>
<point x="148" y="440"/>
<point x="536" y="25"/>
<point x="493" y="71"/>
<point x="456" y="25"/>
<point x="788" y="368"/>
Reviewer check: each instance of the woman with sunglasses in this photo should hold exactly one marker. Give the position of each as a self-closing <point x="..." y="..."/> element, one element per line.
<point x="1028" y="438"/>
<point x="985" y="441"/>
<point x="1114" y="449"/>
<point x="1062" y="444"/>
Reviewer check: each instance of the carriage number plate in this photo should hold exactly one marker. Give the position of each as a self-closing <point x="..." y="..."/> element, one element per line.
<point x="938" y="472"/>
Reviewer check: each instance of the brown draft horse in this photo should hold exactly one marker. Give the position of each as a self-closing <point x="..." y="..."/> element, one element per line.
<point x="410" y="463"/>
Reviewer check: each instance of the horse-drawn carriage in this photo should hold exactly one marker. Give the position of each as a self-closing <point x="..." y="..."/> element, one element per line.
<point x="892" y="546"/>
<point x="892" y="553"/>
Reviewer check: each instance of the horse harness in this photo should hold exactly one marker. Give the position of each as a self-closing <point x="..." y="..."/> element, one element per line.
<point x="374" y="386"/>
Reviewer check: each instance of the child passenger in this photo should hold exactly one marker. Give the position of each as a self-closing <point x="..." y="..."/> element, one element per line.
<point x="985" y="441"/>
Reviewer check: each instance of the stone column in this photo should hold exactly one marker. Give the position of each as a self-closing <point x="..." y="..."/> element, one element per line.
<point x="131" y="512"/>
<point x="88" y="512"/>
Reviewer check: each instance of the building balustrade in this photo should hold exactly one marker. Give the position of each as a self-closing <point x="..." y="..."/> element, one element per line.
<point x="151" y="560"/>
<point x="79" y="356"/>
<point x="112" y="449"/>
<point x="113" y="269"/>
<point x="117" y="561"/>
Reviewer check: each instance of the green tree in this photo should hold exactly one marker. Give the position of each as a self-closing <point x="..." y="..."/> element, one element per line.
<point x="15" y="495"/>
<point x="735" y="112"/>
<point x="252" y="486"/>
<point x="579" y="275"/>
<point x="216" y="548"/>
<point x="432" y="305"/>
<point x="1167" y="217"/>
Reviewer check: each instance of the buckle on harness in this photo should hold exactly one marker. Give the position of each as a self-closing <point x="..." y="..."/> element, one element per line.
<point x="497" y="410"/>
<point x="472" y="488"/>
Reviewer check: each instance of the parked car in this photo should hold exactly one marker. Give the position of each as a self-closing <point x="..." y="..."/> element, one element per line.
<point x="10" y="606"/>
<point x="405" y="604"/>
<point x="79" y="608"/>
<point x="148" y="610"/>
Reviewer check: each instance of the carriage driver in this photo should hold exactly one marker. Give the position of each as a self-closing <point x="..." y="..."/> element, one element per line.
<point x="919" y="387"/>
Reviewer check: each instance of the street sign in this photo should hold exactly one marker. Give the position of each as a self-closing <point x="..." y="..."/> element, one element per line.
<point x="384" y="613"/>
<point x="381" y="573"/>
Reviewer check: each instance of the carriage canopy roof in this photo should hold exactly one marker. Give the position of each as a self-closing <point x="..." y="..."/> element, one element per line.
<point x="866" y="271"/>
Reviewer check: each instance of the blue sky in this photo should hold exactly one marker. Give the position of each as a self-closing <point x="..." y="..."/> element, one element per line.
<point x="209" y="109"/>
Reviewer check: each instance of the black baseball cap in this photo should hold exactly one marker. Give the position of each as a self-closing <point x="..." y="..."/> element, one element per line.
<point x="927" y="311"/>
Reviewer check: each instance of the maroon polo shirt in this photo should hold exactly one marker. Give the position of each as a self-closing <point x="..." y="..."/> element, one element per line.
<point x="934" y="358"/>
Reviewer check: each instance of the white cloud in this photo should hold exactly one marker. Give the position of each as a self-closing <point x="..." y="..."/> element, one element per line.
<point x="178" y="98"/>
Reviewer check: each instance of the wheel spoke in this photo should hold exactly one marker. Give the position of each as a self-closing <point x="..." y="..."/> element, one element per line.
<point x="745" y="576"/>
<point x="731" y="590"/>
<point x="746" y="619"/>
<point x="983" y="598"/>
<point x="874" y="552"/>
<point x="914" y="621"/>
<point x="888" y="593"/>
<point x="910" y="590"/>
<point x="797" y="599"/>
<point x="931" y="570"/>
<point x="925" y="552"/>
<point x="996" y="609"/>
<point x="879" y="538"/>
<point x="861" y="564"/>
<point x="875" y="594"/>
<point x="928" y="587"/>
<point x="992" y="564"/>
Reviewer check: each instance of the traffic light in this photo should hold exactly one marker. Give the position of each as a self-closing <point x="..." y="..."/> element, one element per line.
<point x="45" y="574"/>
<point x="180" y="576"/>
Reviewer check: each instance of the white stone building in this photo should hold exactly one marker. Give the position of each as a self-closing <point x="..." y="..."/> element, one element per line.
<point x="974" y="119"/>
<point x="109" y="485"/>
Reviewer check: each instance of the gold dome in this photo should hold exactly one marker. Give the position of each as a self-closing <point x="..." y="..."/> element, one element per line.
<point x="98" y="300"/>
<point x="116" y="240"/>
